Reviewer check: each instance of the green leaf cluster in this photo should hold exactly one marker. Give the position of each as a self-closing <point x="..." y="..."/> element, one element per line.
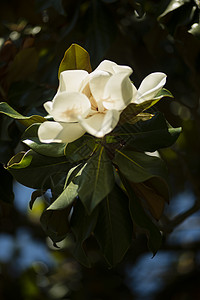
<point x="104" y="189"/>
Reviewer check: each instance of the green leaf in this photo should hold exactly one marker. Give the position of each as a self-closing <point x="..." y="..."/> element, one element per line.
<point x="97" y="180"/>
<point x="154" y="193"/>
<point x="173" y="5"/>
<point x="55" y="223"/>
<point x="195" y="30"/>
<point x="26" y="121"/>
<point x="142" y="219"/>
<point x="75" y="58"/>
<point x="37" y="171"/>
<point x="54" y="219"/>
<point x="80" y="149"/>
<point x="149" y="135"/>
<point x="24" y="64"/>
<point x="138" y="167"/>
<point x="132" y="110"/>
<point x="82" y="225"/>
<point x="30" y="138"/>
<point x="114" y="226"/>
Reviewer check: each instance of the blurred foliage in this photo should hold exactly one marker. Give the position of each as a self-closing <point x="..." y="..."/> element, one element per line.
<point x="147" y="35"/>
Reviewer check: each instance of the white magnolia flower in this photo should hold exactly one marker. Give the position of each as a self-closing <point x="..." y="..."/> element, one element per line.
<point x="93" y="102"/>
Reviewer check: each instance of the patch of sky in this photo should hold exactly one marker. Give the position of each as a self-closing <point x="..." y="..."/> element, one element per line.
<point x="146" y="277"/>
<point x="22" y="197"/>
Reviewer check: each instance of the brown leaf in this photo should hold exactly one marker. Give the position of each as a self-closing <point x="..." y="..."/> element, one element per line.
<point x="154" y="202"/>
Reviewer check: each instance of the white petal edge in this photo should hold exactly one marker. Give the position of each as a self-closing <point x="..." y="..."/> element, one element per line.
<point x="97" y="84"/>
<point x="100" y="124"/>
<point x="123" y="69"/>
<point x="54" y="132"/>
<point x="48" y="106"/>
<point x="67" y="106"/>
<point x="107" y="66"/>
<point x="118" y="92"/>
<point x="150" y="86"/>
<point x="70" y="80"/>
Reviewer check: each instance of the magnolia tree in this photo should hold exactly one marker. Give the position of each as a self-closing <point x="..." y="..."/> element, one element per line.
<point x="96" y="151"/>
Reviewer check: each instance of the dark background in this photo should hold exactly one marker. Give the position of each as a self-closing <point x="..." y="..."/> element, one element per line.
<point x="149" y="36"/>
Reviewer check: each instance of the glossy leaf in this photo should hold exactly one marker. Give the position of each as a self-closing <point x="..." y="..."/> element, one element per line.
<point x="26" y="121"/>
<point x="30" y="138"/>
<point x="195" y="30"/>
<point x="149" y="135"/>
<point x="138" y="167"/>
<point x="75" y="58"/>
<point x="80" y="149"/>
<point x="132" y="110"/>
<point x="97" y="180"/>
<point x="114" y="226"/>
<point x="35" y="170"/>
<point x="82" y="225"/>
<point x="142" y="219"/>
<point x="55" y="223"/>
<point x="54" y="219"/>
<point x="173" y="5"/>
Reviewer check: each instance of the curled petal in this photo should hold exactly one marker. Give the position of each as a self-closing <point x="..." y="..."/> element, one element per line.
<point x="118" y="92"/>
<point x="113" y="68"/>
<point x="67" y="106"/>
<point x="150" y="86"/>
<point x="100" y="124"/>
<point x="48" y="106"/>
<point x="54" y="132"/>
<point x="107" y="66"/>
<point x="70" y="80"/>
<point x="122" y="69"/>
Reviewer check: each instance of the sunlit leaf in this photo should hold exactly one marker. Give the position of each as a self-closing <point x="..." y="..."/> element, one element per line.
<point x="35" y="170"/>
<point x="173" y="5"/>
<point x="26" y="121"/>
<point x="195" y="30"/>
<point x="132" y="110"/>
<point x="30" y="138"/>
<point x="149" y="135"/>
<point x="75" y="58"/>
<point x="54" y="219"/>
<point x="114" y="226"/>
<point x="138" y="167"/>
<point x="97" y="180"/>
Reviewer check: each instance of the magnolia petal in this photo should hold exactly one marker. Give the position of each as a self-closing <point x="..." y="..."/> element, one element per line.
<point x="150" y="86"/>
<point x="122" y="69"/>
<point x="118" y="92"/>
<point x="66" y="106"/>
<point x="107" y="66"/>
<point x="48" y="106"/>
<point x="70" y="80"/>
<point x="100" y="124"/>
<point x="54" y="132"/>
<point x="97" y="85"/>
